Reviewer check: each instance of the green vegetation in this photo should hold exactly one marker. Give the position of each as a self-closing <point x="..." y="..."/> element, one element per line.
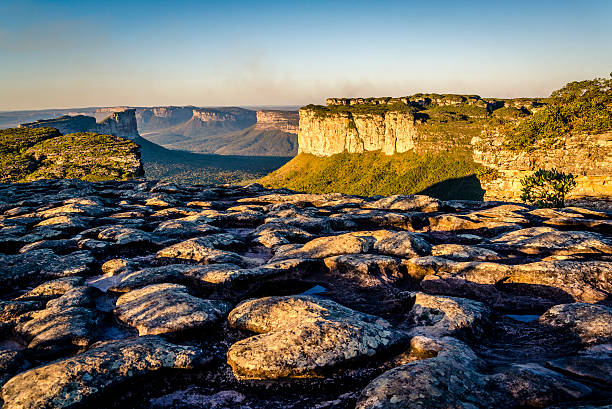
<point x="460" y="110"/>
<point x="578" y="107"/>
<point x="510" y="114"/>
<point x="359" y="109"/>
<point x="547" y="188"/>
<point x="446" y="175"/>
<point x="14" y="142"/>
<point x="43" y="153"/>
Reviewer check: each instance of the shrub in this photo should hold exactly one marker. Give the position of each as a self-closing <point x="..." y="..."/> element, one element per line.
<point x="578" y="107"/>
<point x="547" y="188"/>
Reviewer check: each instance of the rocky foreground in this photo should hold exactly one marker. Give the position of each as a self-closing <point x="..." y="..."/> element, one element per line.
<point x="137" y="294"/>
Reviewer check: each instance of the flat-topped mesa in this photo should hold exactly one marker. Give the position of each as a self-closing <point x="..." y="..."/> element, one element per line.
<point x="324" y="133"/>
<point x="428" y="100"/>
<point x="120" y="123"/>
<point x="286" y="121"/>
<point x="224" y="115"/>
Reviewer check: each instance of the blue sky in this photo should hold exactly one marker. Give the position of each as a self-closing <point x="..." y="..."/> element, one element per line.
<point x="85" y="53"/>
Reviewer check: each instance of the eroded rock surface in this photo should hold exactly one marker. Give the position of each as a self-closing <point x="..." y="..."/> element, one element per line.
<point x="298" y="300"/>
<point x="302" y="335"/>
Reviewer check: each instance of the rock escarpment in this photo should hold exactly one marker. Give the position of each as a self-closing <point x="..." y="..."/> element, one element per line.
<point x="588" y="157"/>
<point x="121" y="122"/>
<point x="326" y="135"/>
<point x="275" y="299"/>
<point x="285" y="121"/>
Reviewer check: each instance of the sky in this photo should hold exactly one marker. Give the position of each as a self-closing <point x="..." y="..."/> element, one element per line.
<point x="61" y="54"/>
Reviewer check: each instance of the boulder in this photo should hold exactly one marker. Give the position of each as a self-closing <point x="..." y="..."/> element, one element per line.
<point x="79" y="379"/>
<point x="442" y="316"/>
<point x="301" y="336"/>
<point x="589" y="324"/>
<point x="166" y="308"/>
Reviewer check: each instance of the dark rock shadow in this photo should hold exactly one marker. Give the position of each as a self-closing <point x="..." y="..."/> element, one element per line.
<point x="463" y="188"/>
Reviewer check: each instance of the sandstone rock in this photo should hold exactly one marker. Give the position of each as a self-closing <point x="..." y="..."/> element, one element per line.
<point x="515" y="286"/>
<point x="272" y="234"/>
<point x="401" y="244"/>
<point x="596" y="368"/>
<point x="54" y="330"/>
<point x="366" y="270"/>
<point x="531" y="385"/>
<point x="204" y="250"/>
<point x="349" y="243"/>
<point x="545" y="240"/>
<point x="53" y="288"/>
<point x="183" y="228"/>
<point x="57" y="246"/>
<point x="129" y="281"/>
<point x="301" y="336"/>
<point x="410" y="203"/>
<point x="77" y="297"/>
<point x="124" y="236"/>
<point x="165" y="308"/>
<point x="10" y="311"/>
<point x="460" y="252"/>
<point x="80" y="378"/>
<point x="591" y="324"/>
<point x="118" y="266"/>
<point x="449" y="378"/>
<point x="442" y="316"/>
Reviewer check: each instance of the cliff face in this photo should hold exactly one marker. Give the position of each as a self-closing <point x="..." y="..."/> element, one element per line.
<point x="285" y="121"/>
<point x="589" y="157"/>
<point x="226" y="116"/>
<point x="162" y="117"/>
<point x="326" y="135"/>
<point x="121" y="123"/>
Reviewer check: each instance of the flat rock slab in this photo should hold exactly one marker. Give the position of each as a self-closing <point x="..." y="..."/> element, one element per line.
<point x="74" y="380"/>
<point x="588" y="323"/>
<point x="300" y="336"/>
<point x="442" y="316"/>
<point x="596" y="368"/>
<point x="165" y="308"/>
<point x="546" y="240"/>
<point x="204" y="250"/>
<point x="54" y="329"/>
<point x="386" y="242"/>
<point x="368" y="271"/>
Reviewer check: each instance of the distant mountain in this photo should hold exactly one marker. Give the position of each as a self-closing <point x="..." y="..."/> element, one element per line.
<point x="224" y="131"/>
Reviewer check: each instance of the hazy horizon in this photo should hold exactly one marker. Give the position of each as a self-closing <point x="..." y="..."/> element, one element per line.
<point x="269" y="53"/>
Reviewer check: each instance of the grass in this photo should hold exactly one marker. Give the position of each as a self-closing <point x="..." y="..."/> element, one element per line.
<point x="446" y="175"/>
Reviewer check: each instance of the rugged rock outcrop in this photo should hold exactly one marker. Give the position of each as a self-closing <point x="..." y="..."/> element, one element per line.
<point x="30" y="154"/>
<point x="589" y="157"/>
<point x="121" y="122"/>
<point x="271" y="299"/>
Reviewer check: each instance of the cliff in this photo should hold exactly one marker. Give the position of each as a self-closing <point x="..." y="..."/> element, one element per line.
<point x="589" y="157"/>
<point x="28" y="154"/>
<point x="120" y="123"/>
<point x="492" y="142"/>
<point x="285" y="121"/>
<point x="329" y="134"/>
